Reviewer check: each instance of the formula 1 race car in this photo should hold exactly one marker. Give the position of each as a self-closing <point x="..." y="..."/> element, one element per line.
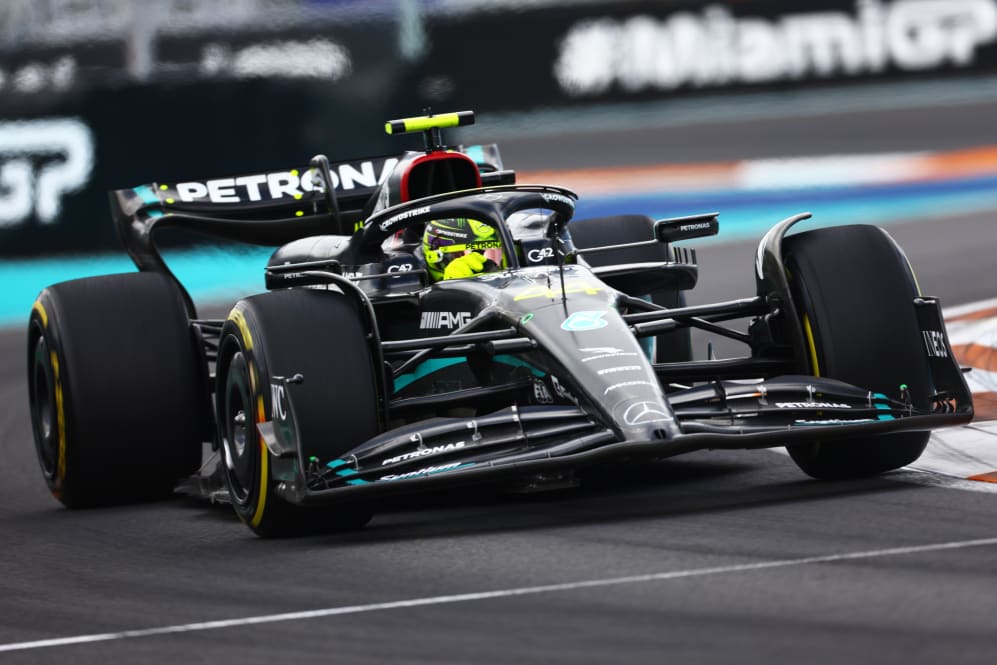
<point x="356" y="376"/>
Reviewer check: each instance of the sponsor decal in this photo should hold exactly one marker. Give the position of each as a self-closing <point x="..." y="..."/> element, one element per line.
<point x="401" y="267"/>
<point x="484" y="244"/>
<point x="42" y="161"/>
<point x="811" y="405"/>
<point x="585" y="321"/>
<point x="401" y="217"/>
<point x="558" y="198"/>
<point x="440" y="320"/>
<point x="453" y="233"/>
<point x="713" y="47"/>
<point x="541" y="394"/>
<point x="278" y="402"/>
<point x="694" y="227"/>
<point x="640" y="413"/>
<point x="423" y="452"/>
<point x="427" y="471"/>
<point x="282" y="184"/>
<point x="43" y="73"/>
<point x="561" y="391"/>
<point x="934" y="342"/>
<point x="321" y="59"/>
<point x="627" y="384"/>
<point x="622" y="368"/>
<point x="540" y="255"/>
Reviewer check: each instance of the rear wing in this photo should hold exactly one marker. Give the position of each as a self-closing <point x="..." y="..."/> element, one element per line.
<point x="293" y="195"/>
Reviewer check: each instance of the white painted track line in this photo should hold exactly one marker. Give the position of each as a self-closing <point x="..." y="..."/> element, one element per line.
<point x="488" y="595"/>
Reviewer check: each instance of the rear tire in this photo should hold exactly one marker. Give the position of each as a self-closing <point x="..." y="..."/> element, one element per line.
<point x="854" y="291"/>
<point x="320" y="335"/>
<point x="116" y="389"/>
<point x="675" y="346"/>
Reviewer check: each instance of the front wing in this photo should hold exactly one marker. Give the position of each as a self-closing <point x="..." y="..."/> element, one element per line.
<point x="518" y="442"/>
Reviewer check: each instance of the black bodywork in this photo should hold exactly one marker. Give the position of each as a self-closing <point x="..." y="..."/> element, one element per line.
<point x="541" y="368"/>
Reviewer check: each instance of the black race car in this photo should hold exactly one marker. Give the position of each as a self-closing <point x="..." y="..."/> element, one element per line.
<point x="355" y="377"/>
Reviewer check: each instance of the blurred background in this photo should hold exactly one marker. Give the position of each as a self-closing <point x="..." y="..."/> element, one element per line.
<point x="858" y="110"/>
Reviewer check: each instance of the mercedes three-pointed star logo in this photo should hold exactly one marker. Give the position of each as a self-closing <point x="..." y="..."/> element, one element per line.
<point x="640" y="413"/>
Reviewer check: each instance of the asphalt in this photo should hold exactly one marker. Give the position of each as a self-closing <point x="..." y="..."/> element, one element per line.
<point x="707" y="558"/>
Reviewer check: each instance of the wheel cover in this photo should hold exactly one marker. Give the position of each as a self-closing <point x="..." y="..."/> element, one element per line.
<point x="240" y="453"/>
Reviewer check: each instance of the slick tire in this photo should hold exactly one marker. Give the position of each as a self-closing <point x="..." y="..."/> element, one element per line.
<point x="854" y="291"/>
<point x="675" y="346"/>
<point x="317" y="334"/>
<point x="116" y="389"/>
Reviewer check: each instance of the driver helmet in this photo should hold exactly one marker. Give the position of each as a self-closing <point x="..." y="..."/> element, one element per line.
<point x="446" y="239"/>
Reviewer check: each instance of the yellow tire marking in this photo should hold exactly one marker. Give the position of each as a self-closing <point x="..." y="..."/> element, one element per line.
<point x="60" y="411"/>
<point x="60" y="468"/>
<point x="40" y="309"/>
<point x="917" y="285"/>
<point x="261" y="501"/>
<point x="811" y="344"/>
<point x="239" y="319"/>
<point x="236" y="316"/>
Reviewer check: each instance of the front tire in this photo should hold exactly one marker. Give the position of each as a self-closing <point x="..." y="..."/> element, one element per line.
<point x="321" y="336"/>
<point x="854" y="291"/>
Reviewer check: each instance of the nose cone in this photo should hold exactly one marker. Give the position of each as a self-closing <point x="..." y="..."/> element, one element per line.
<point x="605" y="368"/>
<point x="623" y="386"/>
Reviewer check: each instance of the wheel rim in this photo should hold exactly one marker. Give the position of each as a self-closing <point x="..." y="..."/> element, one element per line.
<point x="239" y="449"/>
<point x="43" y="409"/>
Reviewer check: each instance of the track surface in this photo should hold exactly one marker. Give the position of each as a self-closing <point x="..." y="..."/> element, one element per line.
<point x="740" y="548"/>
<point x="663" y="138"/>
